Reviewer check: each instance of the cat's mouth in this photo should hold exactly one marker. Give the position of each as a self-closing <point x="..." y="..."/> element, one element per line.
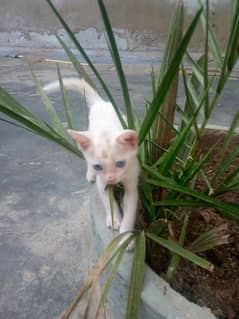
<point x="119" y="186"/>
<point x="112" y="182"/>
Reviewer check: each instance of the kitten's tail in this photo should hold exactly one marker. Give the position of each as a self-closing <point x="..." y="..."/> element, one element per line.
<point x="77" y="85"/>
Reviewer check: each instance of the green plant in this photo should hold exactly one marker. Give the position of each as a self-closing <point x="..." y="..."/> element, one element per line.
<point x="170" y="161"/>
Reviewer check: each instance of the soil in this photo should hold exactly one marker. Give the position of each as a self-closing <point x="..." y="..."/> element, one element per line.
<point x="219" y="289"/>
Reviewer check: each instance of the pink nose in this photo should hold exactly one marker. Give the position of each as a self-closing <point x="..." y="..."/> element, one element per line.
<point x="111" y="179"/>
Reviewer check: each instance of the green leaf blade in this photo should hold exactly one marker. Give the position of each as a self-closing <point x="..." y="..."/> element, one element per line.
<point x="228" y="209"/>
<point x="167" y="80"/>
<point x="87" y="59"/>
<point x="137" y="277"/>
<point x="66" y="102"/>
<point x="76" y="63"/>
<point x="49" y="107"/>
<point x="177" y="249"/>
<point x="118" y="65"/>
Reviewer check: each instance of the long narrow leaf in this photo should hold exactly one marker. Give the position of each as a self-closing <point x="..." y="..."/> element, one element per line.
<point x="197" y="69"/>
<point x="233" y="127"/>
<point x="15" y="124"/>
<point x="14" y="110"/>
<point x="117" y="62"/>
<point x="206" y="53"/>
<point x="191" y="94"/>
<point x="36" y="126"/>
<point x="196" y="167"/>
<point x="87" y="59"/>
<point x="40" y="128"/>
<point x="115" y="251"/>
<point x="234" y="11"/>
<point x="108" y="284"/>
<point x="169" y="158"/>
<point x="231" y="51"/>
<point x="11" y="103"/>
<point x="212" y="40"/>
<point x="174" y="38"/>
<point x="177" y="249"/>
<point x="137" y="277"/>
<point x="162" y="132"/>
<point x="230" y="185"/>
<point x="226" y="163"/>
<point x="66" y="102"/>
<point x="77" y="65"/>
<point x="167" y="80"/>
<point x="174" y="262"/>
<point x="210" y="239"/>
<point x="110" y="252"/>
<point x="223" y="162"/>
<point x="180" y="203"/>
<point x="191" y="104"/>
<point x="231" y="182"/>
<point x="119" y="255"/>
<point x="228" y="209"/>
<point x="49" y="107"/>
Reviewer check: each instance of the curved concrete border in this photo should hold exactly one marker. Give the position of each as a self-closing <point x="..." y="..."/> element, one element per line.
<point x="159" y="300"/>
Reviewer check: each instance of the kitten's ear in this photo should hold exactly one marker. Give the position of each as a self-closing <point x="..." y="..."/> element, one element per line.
<point x="128" y="139"/>
<point x="81" y="138"/>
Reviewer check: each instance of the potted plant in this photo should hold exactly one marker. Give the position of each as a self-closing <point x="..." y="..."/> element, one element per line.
<point x="174" y="184"/>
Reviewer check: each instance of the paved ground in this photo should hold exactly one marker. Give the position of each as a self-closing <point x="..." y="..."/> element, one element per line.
<point x="45" y="243"/>
<point x="44" y="227"/>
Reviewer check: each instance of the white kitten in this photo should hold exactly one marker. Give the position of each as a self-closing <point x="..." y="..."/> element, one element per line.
<point x="110" y="152"/>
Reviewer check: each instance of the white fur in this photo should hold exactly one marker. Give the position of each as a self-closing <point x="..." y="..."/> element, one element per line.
<point x="106" y="142"/>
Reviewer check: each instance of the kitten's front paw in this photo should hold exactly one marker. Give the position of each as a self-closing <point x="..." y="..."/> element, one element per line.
<point x="90" y="177"/>
<point x="130" y="246"/>
<point x="115" y="224"/>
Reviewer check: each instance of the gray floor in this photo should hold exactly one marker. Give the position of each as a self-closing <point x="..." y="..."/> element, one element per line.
<point x="45" y="243"/>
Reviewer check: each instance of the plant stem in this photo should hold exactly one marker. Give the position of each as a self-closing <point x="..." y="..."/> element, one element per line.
<point x="176" y="258"/>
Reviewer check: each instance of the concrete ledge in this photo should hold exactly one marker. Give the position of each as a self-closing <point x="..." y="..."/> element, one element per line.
<point x="159" y="300"/>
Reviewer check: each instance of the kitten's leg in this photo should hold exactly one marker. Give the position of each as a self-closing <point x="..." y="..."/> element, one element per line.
<point x="104" y="194"/>
<point x="90" y="174"/>
<point x="130" y="201"/>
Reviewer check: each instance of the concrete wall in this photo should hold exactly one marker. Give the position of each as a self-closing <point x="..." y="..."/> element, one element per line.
<point x="139" y="24"/>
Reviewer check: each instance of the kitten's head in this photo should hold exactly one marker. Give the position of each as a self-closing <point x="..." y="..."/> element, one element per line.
<point x="109" y="155"/>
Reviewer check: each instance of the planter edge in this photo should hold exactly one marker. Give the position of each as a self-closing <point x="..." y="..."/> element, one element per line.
<point x="159" y="300"/>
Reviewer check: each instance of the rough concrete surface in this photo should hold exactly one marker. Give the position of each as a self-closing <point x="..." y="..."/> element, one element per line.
<point x="45" y="241"/>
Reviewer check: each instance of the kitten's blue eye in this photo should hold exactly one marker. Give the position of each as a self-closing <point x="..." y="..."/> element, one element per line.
<point x="98" y="167"/>
<point x="120" y="164"/>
